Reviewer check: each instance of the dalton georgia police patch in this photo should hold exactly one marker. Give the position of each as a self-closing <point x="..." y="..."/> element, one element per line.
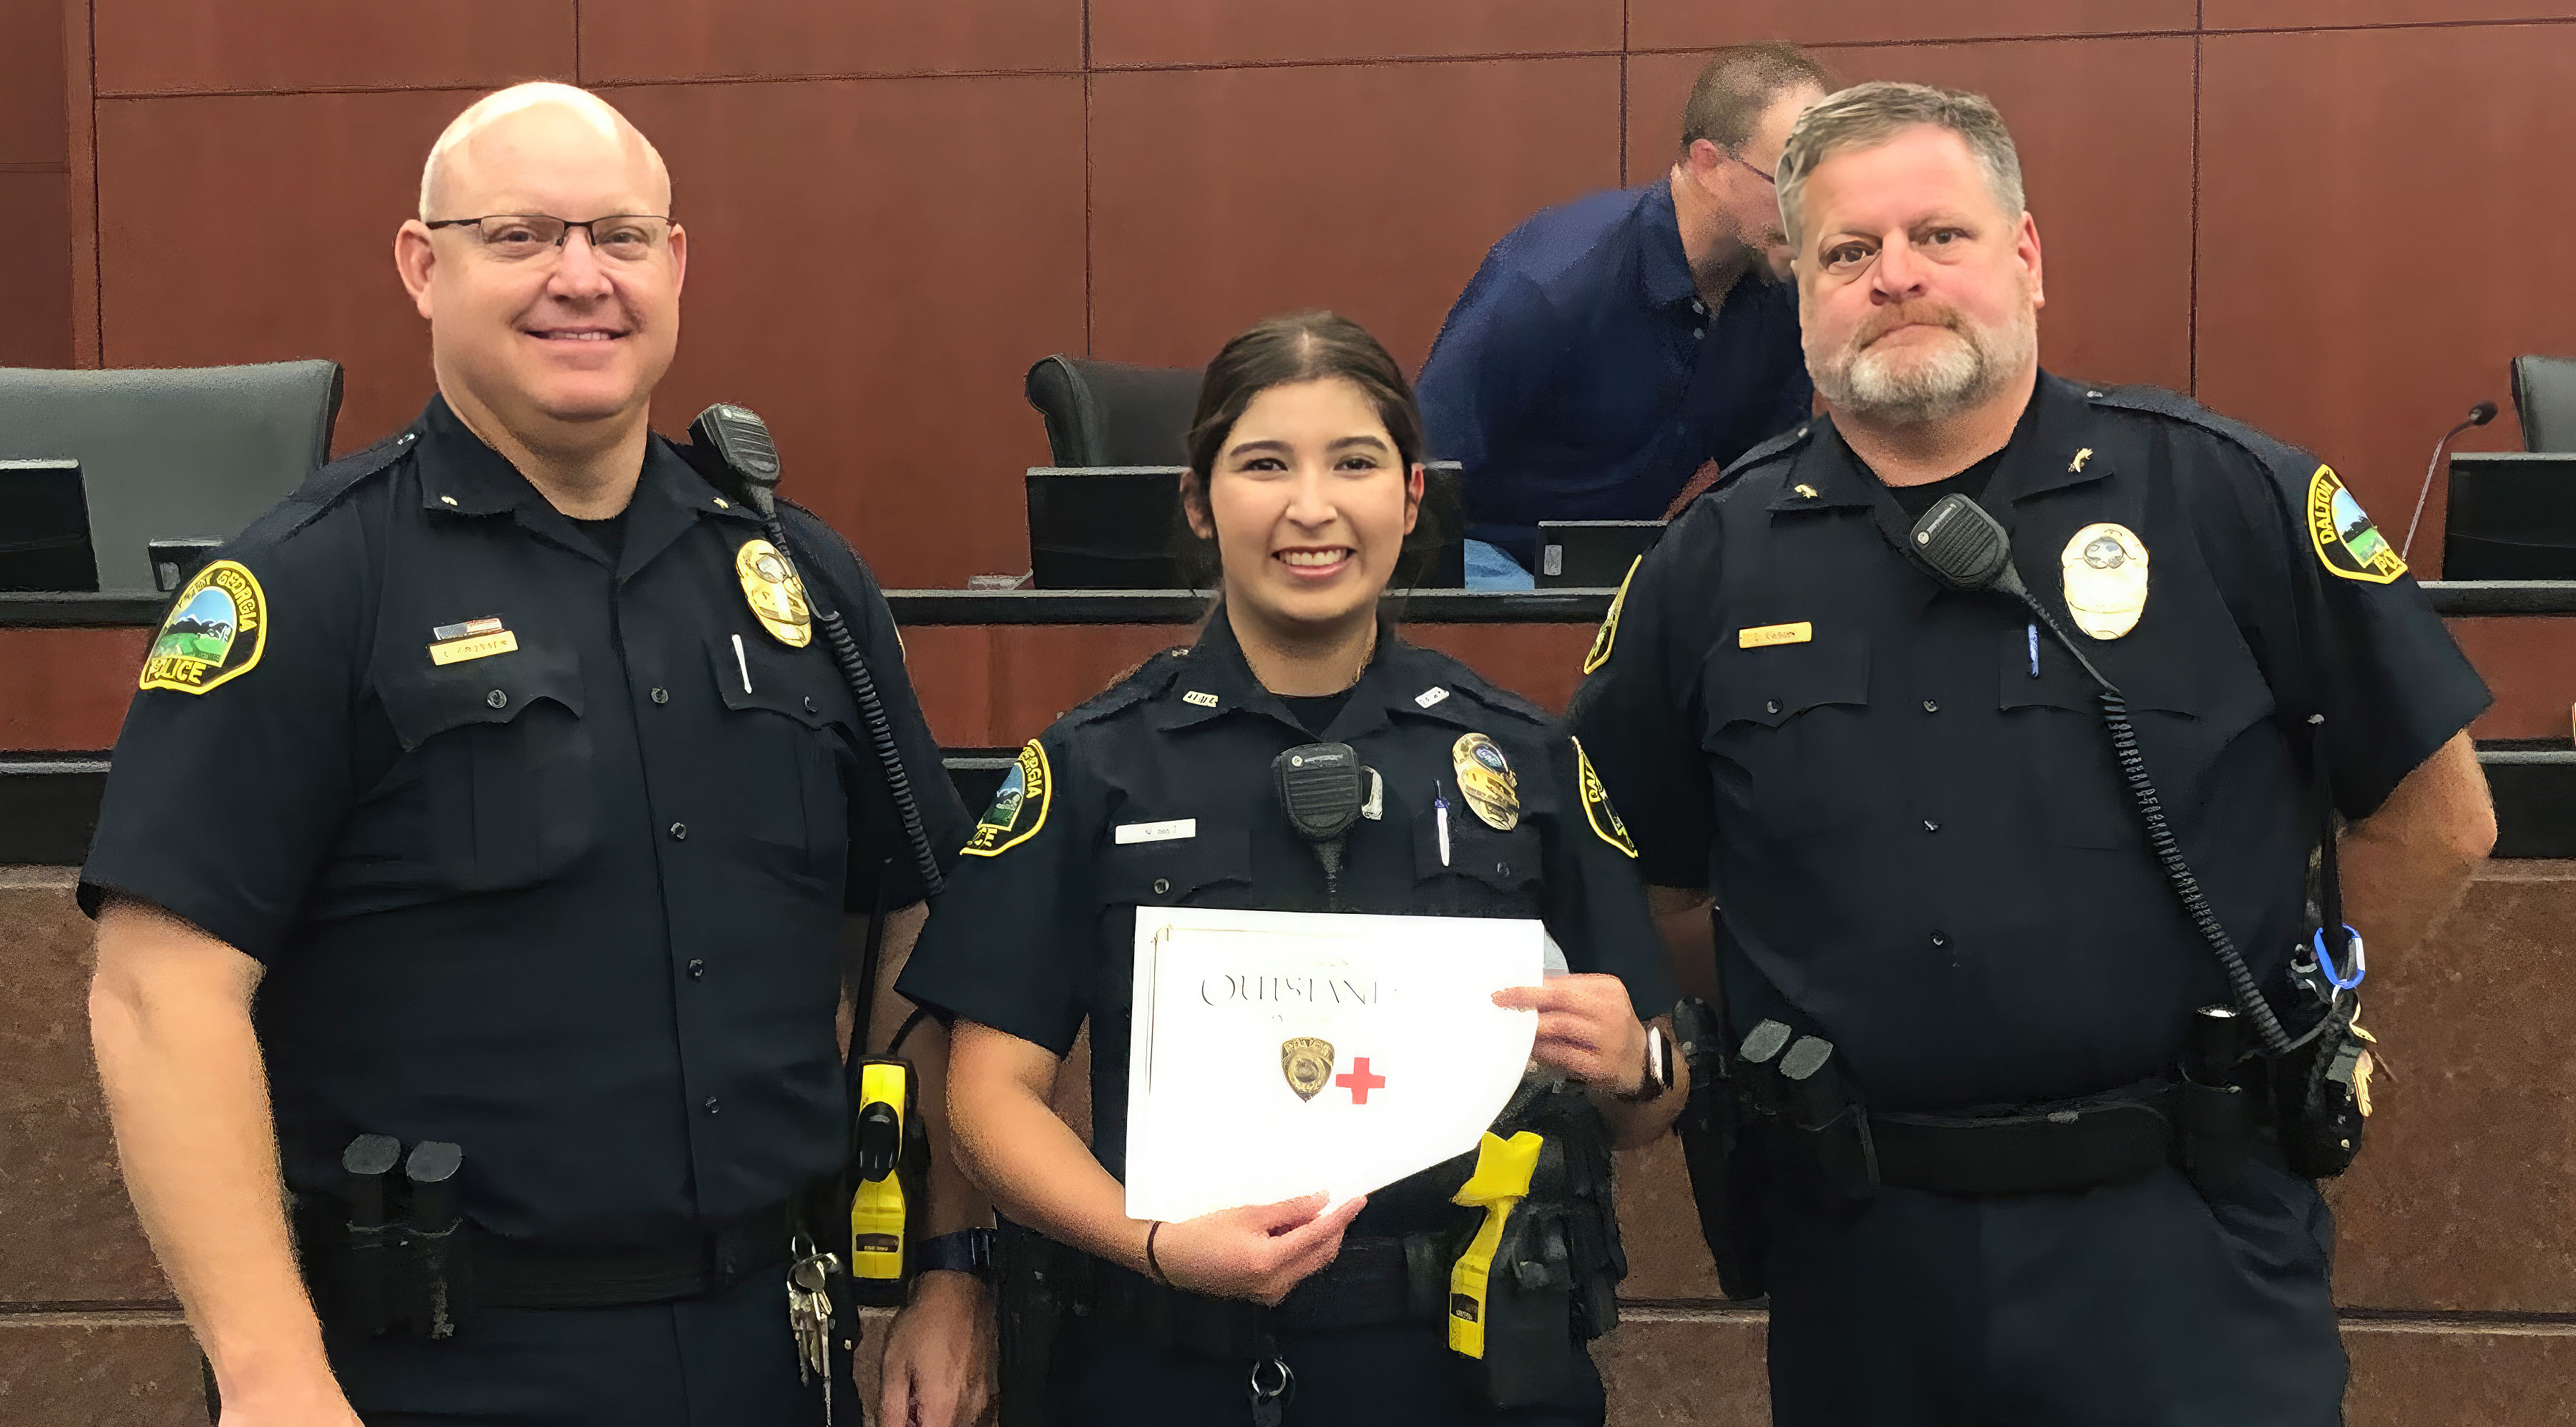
<point x="1019" y="806"/>
<point x="1608" y="634"/>
<point x="2347" y="543"/>
<point x="1596" y="805"/>
<point x="215" y="631"/>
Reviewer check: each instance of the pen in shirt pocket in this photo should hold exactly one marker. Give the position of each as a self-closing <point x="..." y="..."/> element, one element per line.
<point x="1440" y="817"/>
<point x="2033" y="629"/>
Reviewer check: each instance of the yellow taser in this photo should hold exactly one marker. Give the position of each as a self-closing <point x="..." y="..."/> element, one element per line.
<point x="878" y="1213"/>
<point x="1500" y="1183"/>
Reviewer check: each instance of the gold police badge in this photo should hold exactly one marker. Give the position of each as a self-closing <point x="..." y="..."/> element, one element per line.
<point x="1486" y="777"/>
<point x="1307" y="1062"/>
<point x="776" y="596"/>
<point x="2105" y="570"/>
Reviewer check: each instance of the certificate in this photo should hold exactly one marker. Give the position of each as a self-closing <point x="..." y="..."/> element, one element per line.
<point x="1274" y="1054"/>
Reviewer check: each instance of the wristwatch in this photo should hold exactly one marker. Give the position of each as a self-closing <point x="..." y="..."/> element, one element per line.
<point x="965" y="1251"/>
<point x="1659" y="1069"/>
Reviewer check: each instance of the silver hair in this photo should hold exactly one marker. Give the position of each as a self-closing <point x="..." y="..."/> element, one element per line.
<point x="1868" y="115"/>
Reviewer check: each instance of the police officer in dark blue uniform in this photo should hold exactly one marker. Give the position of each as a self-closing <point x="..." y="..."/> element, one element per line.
<point x="1306" y="471"/>
<point x="490" y="811"/>
<point x="1927" y="858"/>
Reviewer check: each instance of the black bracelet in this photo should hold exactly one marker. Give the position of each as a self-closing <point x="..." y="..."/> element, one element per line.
<point x="1152" y="1262"/>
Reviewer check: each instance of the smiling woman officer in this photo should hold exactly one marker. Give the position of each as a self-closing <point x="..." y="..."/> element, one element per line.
<point x="1305" y="471"/>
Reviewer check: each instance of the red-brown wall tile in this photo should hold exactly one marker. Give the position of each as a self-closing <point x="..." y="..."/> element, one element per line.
<point x="62" y="1370"/>
<point x="1219" y="197"/>
<point x="1666" y="24"/>
<point x="35" y="274"/>
<point x="658" y="39"/>
<point x="2379" y="236"/>
<point x="2299" y="14"/>
<point x="874" y="265"/>
<point x="161" y="46"/>
<point x="254" y="229"/>
<point x="31" y="82"/>
<point x="67" y="688"/>
<point x="2442" y="1375"/>
<point x="2104" y="129"/>
<point x="1238" y="31"/>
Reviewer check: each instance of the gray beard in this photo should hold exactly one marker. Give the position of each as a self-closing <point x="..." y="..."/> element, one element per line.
<point x="1934" y="387"/>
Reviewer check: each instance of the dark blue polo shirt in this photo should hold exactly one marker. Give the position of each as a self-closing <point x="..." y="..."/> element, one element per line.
<point x="1580" y="376"/>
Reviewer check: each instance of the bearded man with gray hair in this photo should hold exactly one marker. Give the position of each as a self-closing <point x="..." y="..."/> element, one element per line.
<point x="2014" y="709"/>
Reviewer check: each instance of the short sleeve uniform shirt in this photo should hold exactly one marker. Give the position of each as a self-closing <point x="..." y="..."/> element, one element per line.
<point x="1035" y="933"/>
<point x="1904" y="797"/>
<point x="543" y="851"/>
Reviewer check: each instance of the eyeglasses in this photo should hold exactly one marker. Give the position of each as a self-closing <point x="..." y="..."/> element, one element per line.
<point x="1731" y="157"/>
<point x="514" y="237"/>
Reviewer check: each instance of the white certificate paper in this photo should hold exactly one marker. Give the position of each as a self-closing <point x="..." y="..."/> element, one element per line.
<point x="1275" y="1054"/>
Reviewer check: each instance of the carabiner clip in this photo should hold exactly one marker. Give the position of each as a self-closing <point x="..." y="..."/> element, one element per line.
<point x="2360" y="959"/>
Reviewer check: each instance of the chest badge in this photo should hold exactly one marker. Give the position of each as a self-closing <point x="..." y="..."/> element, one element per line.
<point x="776" y="596"/>
<point x="1308" y="1063"/>
<point x="2105" y="567"/>
<point x="1485" y="776"/>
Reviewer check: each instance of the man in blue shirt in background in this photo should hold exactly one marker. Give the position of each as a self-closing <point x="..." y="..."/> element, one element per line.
<point x="1609" y="348"/>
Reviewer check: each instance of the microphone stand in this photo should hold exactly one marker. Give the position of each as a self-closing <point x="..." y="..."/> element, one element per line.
<point x="2479" y="415"/>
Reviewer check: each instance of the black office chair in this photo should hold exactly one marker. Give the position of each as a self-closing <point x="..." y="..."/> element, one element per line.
<point x="2544" y="397"/>
<point x="1112" y="414"/>
<point x="185" y="453"/>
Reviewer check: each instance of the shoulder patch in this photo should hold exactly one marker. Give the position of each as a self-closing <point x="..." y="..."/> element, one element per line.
<point x="1607" y="636"/>
<point x="1019" y="806"/>
<point x="2347" y="544"/>
<point x="214" y="633"/>
<point x="1596" y="804"/>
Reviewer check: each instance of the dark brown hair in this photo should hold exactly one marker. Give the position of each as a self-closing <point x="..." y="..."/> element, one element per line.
<point x="1281" y="351"/>
<point x="1738" y="85"/>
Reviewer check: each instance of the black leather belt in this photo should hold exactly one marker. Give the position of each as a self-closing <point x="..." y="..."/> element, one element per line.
<point x="517" y="1273"/>
<point x="1373" y="1281"/>
<point x="2057" y="1150"/>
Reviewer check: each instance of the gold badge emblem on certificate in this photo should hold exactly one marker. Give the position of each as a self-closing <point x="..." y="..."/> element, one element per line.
<point x="2105" y="567"/>
<point x="776" y="596"/>
<point x="1307" y="1062"/>
<point x="1486" y="777"/>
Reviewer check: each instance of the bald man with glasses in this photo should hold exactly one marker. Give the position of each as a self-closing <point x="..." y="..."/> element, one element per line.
<point x="487" y="844"/>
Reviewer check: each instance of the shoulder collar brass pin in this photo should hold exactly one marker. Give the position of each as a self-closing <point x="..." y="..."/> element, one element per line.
<point x="2077" y="465"/>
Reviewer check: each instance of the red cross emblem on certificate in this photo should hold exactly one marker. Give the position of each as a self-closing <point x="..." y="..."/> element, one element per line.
<point x="1360" y="1081"/>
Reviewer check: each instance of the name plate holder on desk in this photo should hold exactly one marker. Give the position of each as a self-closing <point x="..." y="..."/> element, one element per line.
<point x="1274" y="1054"/>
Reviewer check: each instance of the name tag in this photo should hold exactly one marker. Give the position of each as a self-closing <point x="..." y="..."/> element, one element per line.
<point x="481" y="646"/>
<point x="1764" y="636"/>
<point x="1172" y="831"/>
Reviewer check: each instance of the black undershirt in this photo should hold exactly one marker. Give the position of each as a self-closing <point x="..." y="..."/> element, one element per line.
<point x="1316" y="711"/>
<point x="1970" y="483"/>
<point x="609" y="535"/>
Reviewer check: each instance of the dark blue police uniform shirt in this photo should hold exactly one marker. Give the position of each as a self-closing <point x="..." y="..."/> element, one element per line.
<point x="1036" y="931"/>
<point x="574" y="904"/>
<point x="1918" y="838"/>
<point x="1580" y="377"/>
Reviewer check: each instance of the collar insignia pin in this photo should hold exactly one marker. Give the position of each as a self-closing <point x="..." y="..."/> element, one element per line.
<point x="2077" y="466"/>
<point x="1205" y="701"/>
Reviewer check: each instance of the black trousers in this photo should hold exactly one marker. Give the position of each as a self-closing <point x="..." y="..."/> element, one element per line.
<point x="724" y="1360"/>
<point x="2136" y="1305"/>
<point x="1401" y="1375"/>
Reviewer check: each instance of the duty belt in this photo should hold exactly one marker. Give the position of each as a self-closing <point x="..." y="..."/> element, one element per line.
<point x="1373" y="1281"/>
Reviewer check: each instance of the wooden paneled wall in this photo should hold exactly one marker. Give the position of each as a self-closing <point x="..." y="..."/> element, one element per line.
<point x="2282" y="206"/>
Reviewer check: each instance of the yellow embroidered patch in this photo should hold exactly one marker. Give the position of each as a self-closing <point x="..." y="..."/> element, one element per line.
<point x="1019" y="806"/>
<point x="2347" y="543"/>
<point x="1608" y="634"/>
<point x="215" y="631"/>
<point x="1596" y="805"/>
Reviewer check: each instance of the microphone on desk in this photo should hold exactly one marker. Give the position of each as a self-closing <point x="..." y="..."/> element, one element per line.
<point x="2479" y="415"/>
